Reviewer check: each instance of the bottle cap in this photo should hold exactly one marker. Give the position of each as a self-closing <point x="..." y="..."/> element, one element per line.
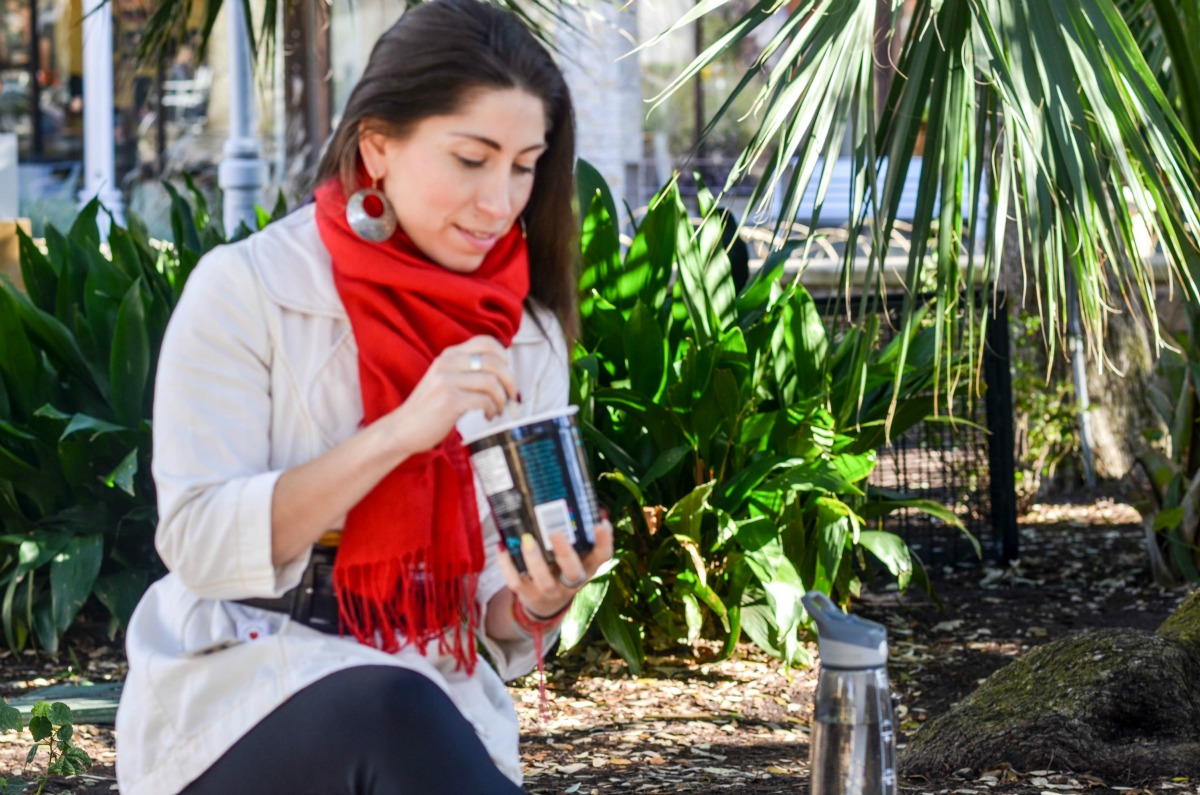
<point x="845" y="641"/>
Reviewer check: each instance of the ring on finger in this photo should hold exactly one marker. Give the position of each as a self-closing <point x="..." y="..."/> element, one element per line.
<point x="573" y="584"/>
<point x="475" y="362"/>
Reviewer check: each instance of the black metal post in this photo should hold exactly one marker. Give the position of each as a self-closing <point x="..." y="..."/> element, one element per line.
<point x="35" y="87"/>
<point x="998" y="402"/>
<point x="160" y="119"/>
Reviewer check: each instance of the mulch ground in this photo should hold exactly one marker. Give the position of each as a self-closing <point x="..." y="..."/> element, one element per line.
<point x="742" y="724"/>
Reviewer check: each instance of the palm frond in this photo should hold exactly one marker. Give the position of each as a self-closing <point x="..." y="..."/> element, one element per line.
<point x="1043" y="113"/>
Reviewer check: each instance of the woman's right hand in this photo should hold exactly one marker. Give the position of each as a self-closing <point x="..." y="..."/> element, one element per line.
<point x="474" y="375"/>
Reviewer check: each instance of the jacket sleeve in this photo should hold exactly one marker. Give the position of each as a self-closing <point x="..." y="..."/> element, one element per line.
<point x="212" y="426"/>
<point x="544" y="378"/>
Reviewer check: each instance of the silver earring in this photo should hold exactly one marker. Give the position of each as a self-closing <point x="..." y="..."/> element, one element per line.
<point x="374" y="227"/>
<point x="524" y="231"/>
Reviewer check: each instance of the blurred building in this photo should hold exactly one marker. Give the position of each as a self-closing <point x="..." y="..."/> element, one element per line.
<point x="171" y="117"/>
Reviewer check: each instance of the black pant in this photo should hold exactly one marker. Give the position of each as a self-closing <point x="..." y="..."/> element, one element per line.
<point x="370" y="730"/>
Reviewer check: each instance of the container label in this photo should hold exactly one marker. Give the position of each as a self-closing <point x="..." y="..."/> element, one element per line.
<point x="492" y="469"/>
<point x="554" y="517"/>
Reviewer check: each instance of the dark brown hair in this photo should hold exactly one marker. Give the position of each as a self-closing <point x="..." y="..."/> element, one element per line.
<point x="428" y="64"/>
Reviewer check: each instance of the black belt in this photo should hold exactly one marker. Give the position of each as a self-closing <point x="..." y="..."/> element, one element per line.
<point x="312" y="602"/>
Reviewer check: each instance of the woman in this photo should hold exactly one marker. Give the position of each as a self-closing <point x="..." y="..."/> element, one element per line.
<point x="313" y="390"/>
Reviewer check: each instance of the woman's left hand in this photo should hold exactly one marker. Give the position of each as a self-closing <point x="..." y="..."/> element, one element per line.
<point x="543" y="592"/>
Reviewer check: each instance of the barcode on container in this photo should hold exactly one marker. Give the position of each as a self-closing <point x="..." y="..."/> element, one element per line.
<point x="492" y="469"/>
<point x="554" y="517"/>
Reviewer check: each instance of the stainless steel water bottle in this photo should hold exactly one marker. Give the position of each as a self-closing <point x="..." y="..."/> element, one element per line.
<point x="853" y="746"/>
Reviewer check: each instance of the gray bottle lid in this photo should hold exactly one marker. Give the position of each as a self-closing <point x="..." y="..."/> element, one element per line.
<point x="845" y="641"/>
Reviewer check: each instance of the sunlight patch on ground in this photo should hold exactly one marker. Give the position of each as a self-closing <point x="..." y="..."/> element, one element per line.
<point x="1104" y="511"/>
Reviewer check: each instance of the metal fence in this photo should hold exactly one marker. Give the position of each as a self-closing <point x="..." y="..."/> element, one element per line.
<point x="967" y="466"/>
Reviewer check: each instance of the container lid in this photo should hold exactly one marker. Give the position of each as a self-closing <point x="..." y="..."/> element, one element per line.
<point x="845" y="641"/>
<point x="517" y="422"/>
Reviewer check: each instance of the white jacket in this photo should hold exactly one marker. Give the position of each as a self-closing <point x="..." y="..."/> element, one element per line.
<point x="259" y="373"/>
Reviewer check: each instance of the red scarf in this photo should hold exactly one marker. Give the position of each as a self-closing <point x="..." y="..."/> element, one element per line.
<point x="412" y="549"/>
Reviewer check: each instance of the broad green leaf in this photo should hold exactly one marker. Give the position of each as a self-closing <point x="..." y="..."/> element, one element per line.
<point x="129" y="366"/>
<point x="1161" y="469"/>
<point x="183" y="225"/>
<point x="622" y="635"/>
<point x="59" y="714"/>
<point x="854" y="468"/>
<point x="693" y="260"/>
<point x="657" y="420"/>
<point x="75" y="761"/>
<point x="704" y="593"/>
<point x="41" y="728"/>
<point x="651" y="258"/>
<point x="20" y="367"/>
<point x="646" y="352"/>
<point x="757" y="621"/>
<point x="882" y="507"/>
<point x="10" y="718"/>
<point x="667" y="461"/>
<point x="607" y="448"/>
<point x="14" y="466"/>
<point x="598" y="240"/>
<point x="726" y="529"/>
<point x="807" y="343"/>
<point x="685" y="516"/>
<point x="58" y="342"/>
<point x="82" y="423"/>
<point x="35" y="552"/>
<point x="17" y="625"/>
<point x="833" y="531"/>
<point x="746" y="481"/>
<point x="1168" y="518"/>
<point x="784" y="599"/>
<point x="121" y="591"/>
<point x="39" y="275"/>
<point x="891" y="551"/>
<point x="72" y="575"/>
<point x="692" y="548"/>
<point x="627" y="483"/>
<point x="583" y="611"/>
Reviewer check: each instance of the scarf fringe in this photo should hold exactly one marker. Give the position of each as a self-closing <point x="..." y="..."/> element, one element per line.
<point x="417" y="609"/>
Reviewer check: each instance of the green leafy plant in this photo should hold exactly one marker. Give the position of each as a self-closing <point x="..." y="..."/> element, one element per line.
<point x="1168" y="33"/>
<point x="78" y="351"/>
<point x="50" y="725"/>
<point x="733" y="435"/>
<point x="1173" y="526"/>
<point x="1044" y="410"/>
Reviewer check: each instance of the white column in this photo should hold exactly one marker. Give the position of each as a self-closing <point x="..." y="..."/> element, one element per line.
<point x="242" y="175"/>
<point x="99" y="142"/>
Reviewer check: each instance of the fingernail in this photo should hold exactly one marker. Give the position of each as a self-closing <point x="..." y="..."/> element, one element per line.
<point x="604" y="513"/>
<point x="528" y="541"/>
<point x="518" y="397"/>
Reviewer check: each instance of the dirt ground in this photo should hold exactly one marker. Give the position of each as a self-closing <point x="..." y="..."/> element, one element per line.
<point x="742" y="725"/>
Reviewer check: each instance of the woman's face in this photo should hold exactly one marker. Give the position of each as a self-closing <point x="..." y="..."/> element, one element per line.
<point x="458" y="182"/>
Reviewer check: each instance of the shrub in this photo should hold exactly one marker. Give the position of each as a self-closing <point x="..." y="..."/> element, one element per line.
<point x="77" y="361"/>
<point x="733" y="434"/>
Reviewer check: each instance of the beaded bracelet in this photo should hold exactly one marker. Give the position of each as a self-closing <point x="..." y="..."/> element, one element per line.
<point x="537" y="618"/>
<point x="528" y="623"/>
<point x="531" y="626"/>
